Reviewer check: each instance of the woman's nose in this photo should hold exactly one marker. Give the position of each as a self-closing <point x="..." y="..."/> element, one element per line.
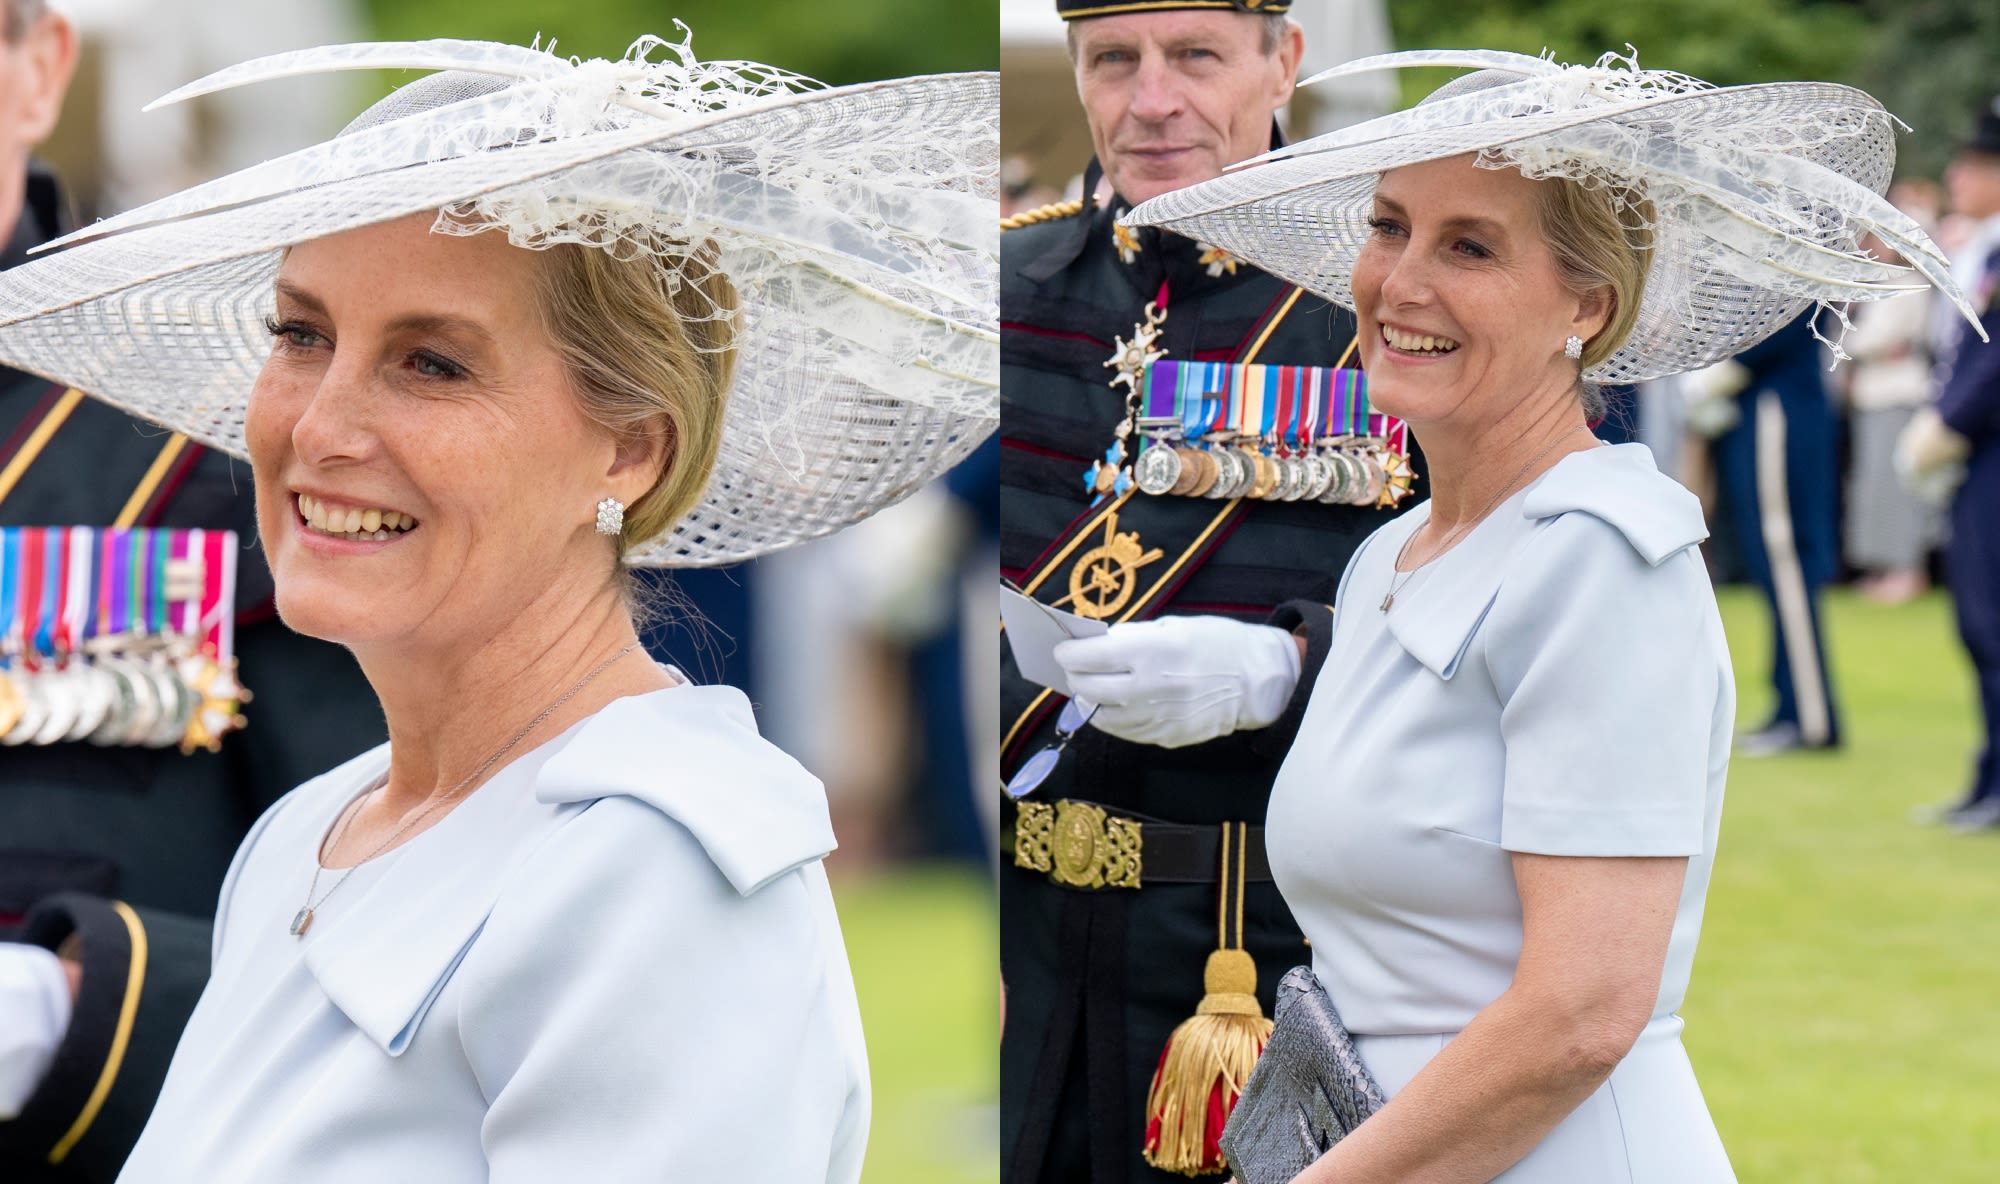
<point x="1408" y="278"/>
<point x="337" y="421"/>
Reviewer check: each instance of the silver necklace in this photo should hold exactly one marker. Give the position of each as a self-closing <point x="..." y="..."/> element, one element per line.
<point x="303" y="920"/>
<point x="1396" y="585"/>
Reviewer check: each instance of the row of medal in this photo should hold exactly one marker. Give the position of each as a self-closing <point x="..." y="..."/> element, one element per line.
<point x="118" y="637"/>
<point x="1278" y="433"/>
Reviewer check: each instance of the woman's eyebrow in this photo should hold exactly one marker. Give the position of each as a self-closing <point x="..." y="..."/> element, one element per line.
<point x="441" y="323"/>
<point x="1468" y="223"/>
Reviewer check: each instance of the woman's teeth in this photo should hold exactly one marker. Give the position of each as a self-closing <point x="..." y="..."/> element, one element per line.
<point x="1418" y="343"/>
<point x="353" y="522"/>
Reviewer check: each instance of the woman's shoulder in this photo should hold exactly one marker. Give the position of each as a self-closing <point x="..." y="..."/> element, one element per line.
<point x="686" y="768"/>
<point x="1602" y="498"/>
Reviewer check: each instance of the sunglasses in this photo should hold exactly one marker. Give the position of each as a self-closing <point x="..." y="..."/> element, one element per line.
<point x="1036" y="769"/>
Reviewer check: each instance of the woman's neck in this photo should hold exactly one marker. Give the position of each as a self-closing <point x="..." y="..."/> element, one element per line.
<point x="451" y="706"/>
<point x="1473" y="467"/>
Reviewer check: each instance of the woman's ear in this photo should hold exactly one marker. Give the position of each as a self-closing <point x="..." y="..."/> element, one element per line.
<point x="1593" y="311"/>
<point x="638" y="458"/>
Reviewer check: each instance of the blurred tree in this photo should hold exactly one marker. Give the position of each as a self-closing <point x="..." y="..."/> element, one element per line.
<point x="1726" y="42"/>
<point x="1933" y="62"/>
<point x="847" y="41"/>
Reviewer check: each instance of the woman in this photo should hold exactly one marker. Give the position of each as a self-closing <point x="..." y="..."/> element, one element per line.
<point x="510" y="328"/>
<point x="1498" y="826"/>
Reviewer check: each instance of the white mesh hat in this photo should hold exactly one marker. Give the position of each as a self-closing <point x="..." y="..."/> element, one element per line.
<point x="1760" y="193"/>
<point x="857" y="224"/>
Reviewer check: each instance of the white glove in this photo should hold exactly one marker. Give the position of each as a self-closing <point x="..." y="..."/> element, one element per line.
<point x="1711" y="397"/>
<point x="34" y="1014"/>
<point x="1178" y="681"/>
<point x="1930" y="457"/>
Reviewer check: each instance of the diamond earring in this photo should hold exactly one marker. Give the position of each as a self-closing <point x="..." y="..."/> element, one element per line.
<point x="1573" y="348"/>
<point x="610" y="516"/>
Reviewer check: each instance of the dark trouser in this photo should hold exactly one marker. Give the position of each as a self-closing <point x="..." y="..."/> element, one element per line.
<point x="1973" y="559"/>
<point x="1778" y="468"/>
<point x="1095" y="983"/>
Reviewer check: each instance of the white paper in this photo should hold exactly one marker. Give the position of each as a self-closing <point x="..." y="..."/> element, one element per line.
<point x="1033" y="629"/>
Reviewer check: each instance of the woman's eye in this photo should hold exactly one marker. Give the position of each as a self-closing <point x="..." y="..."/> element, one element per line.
<point x="1467" y="247"/>
<point x="431" y="365"/>
<point x="1383" y="228"/>
<point x="292" y="333"/>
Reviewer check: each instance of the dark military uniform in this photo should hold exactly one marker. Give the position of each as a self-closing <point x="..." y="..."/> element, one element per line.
<point x="1779" y="471"/>
<point x="1969" y="403"/>
<point x="1097" y="979"/>
<point x="83" y="829"/>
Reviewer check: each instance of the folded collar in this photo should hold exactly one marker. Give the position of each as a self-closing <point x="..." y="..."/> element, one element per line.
<point x="1618" y="484"/>
<point x="693" y="753"/>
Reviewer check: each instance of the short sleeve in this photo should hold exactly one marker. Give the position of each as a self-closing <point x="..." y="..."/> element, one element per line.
<point x="1609" y="674"/>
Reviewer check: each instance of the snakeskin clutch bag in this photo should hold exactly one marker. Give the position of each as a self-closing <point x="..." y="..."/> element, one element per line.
<point x="1309" y="1089"/>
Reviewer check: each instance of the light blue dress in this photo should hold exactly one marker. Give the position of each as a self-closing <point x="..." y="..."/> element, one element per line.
<point x="617" y="960"/>
<point x="1557" y="683"/>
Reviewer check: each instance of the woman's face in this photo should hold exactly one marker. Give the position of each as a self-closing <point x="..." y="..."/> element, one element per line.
<point x="424" y="471"/>
<point x="1456" y="255"/>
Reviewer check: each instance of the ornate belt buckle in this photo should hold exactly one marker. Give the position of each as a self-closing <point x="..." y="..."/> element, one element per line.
<point x="1078" y="844"/>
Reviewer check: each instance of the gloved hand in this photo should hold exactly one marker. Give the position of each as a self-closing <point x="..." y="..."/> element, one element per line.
<point x="34" y="1014"/>
<point x="1930" y="457"/>
<point x="1711" y="397"/>
<point x="1178" y="681"/>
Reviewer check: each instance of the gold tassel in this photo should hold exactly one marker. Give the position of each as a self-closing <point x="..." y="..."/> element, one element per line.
<point x="1208" y="1058"/>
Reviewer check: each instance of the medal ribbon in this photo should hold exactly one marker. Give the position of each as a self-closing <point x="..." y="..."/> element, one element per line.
<point x="10" y="589"/>
<point x="1309" y="403"/>
<point x="1163" y="391"/>
<point x="1273" y="384"/>
<point x="76" y="597"/>
<point x="120" y="621"/>
<point x="101" y="585"/>
<point x="135" y="580"/>
<point x="1223" y="402"/>
<point x="156" y="584"/>
<point x="37" y="590"/>
<point x="187" y="549"/>
<point x="218" y="595"/>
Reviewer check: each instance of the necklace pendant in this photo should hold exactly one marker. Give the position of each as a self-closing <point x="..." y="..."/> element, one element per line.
<point x="302" y="922"/>
<point x="1387" y="601"/>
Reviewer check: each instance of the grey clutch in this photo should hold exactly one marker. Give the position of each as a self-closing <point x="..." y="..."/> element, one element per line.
<point x="1309" y="1089"/>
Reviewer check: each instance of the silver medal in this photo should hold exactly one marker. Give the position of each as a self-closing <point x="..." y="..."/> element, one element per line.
<point x="1157" y="469"/>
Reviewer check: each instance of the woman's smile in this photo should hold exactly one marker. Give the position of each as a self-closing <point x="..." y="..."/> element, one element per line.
<point x="336" y="527"/>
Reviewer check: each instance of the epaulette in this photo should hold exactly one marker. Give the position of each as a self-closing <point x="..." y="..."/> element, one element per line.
<point x="1047" y="213"/>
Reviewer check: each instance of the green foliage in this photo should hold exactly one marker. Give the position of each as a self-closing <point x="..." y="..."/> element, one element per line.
<point x="1726" y="42"/>
<point x="1841" y="1014"/>
<point x="1933" y="62"/>
<point x="849" y="41"/>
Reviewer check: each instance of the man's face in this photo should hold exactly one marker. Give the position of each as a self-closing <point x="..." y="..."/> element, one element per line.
<point x="1172" y="97"/>
<point x="34" y="71"/>
<point x="1973" y="181"/>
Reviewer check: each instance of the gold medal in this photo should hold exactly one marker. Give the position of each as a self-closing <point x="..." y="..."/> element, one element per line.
<point x="1191" y="471"/>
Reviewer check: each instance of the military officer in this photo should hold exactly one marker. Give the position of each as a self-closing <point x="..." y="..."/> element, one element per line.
<point x="1136" y="865"/>
<point x="1965" y="429"/>
<point x="1779" y="469"/>
<point x="114" y="855"/>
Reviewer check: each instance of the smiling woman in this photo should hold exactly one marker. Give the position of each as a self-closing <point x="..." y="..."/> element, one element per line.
<point x="1509" y="936"/>
<point x="525" y="323"/>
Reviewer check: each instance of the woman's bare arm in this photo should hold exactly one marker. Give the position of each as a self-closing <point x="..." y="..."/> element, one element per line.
<point x="1594" y="944"/>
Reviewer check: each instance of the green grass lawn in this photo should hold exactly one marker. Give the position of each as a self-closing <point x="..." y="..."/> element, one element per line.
<point x="1844" y="1016"/>
<point x="924" y="942"/>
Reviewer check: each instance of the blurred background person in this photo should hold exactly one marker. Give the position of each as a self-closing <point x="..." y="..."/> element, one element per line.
<point x="1889" y="531"/>
<point x="1964" y="431"/>
<point x="1779" y="472"/>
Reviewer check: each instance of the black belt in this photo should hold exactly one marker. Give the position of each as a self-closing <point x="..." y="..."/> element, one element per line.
<point x="1083" y="845"/>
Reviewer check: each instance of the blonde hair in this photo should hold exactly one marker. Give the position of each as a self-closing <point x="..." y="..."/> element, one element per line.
<point x="1602" y="237"/>
<point x="649" y="351"/>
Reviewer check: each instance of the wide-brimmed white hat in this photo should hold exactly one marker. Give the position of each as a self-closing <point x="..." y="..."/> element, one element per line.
<point x="857" y="223"/>
<point x="1759" y="194"/>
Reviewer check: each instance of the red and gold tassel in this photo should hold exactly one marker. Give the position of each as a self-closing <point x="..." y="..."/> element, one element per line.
<point x="1208" y="1058"/>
